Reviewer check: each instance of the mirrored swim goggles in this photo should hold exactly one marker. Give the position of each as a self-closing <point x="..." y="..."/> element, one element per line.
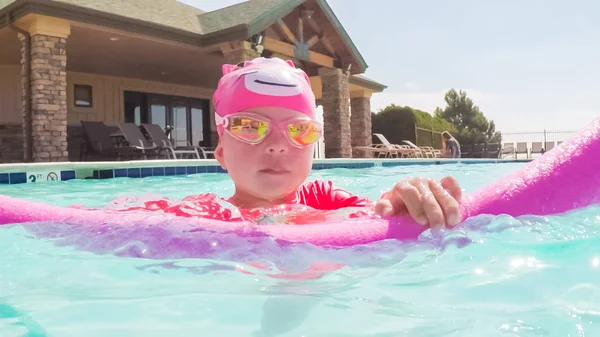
<point x="252" y="128"/>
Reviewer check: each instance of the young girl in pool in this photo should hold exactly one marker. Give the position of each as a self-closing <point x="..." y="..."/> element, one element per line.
<point x="265" y="117"/>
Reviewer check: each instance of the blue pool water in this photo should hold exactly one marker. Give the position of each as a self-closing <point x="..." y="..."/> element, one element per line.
<point x="531" y="276"/>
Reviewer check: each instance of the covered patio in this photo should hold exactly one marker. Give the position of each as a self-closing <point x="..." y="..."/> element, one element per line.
<point x="71" y="61"/>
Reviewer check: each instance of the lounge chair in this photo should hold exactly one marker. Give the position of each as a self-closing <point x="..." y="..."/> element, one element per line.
<point x="466" y="150"/>
<point x="522" y="148"/>
<point x="385" y="150"/>
<point x="492" y="150"/>
<point x="96" y="139"/>
<point x="403" y="151"/>
<point x="161" y="139"/>
<point x="478" y="150"/>
<point x="380" y="149"/>
<point x="134" y="136"/>
<point x="509" y="149"/>
<point x="536" y="147"/>
<point x="548" y="146"/>
<point x="423" y="151"/>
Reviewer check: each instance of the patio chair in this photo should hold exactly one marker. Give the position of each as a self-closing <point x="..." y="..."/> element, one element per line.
<point x="423" y="151"/>
<point x="466" y="150"/>
<point x="548" y="146"/>
<point x="492" y="150"/>
<point x="96" y="139"/>
<point x="522" y="148"/>
<point x="509" y="149"/>
<point x="401" y="150"/>
<point x="418" y="152"/>
<point x="478" y="150"/>
<point x="380" y="149"/>
<point x="134" y="136"/>
<point x="536" y="147"/>
<point x="161" y="139"/>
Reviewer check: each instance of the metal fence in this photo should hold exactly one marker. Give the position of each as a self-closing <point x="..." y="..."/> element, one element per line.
<point x="539" y="136"/>
<point x="426" y="137"/>
<point x="532" y="141"/>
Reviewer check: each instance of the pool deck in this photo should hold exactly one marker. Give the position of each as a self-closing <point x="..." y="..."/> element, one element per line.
<point x="61" y="171"/>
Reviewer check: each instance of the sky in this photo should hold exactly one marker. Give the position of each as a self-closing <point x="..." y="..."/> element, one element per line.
<point x="529" y="65"/>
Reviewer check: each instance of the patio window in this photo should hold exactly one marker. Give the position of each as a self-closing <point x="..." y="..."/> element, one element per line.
<point x="188" y="118"/>
<point x="83" y="95"/>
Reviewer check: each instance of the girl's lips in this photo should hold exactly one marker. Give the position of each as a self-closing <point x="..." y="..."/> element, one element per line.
<point x="275" y="171"/>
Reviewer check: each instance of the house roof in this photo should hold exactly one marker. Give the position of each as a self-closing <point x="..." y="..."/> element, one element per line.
<point x="242" y="13"/>
<point x="175" y="14"/>
<point x="367" y="82"/>
<point x="171" y="13"/>
<point x="175" y="20"/>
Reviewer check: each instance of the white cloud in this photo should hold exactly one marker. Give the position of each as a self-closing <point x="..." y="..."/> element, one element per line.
<point x="410" y="85"/>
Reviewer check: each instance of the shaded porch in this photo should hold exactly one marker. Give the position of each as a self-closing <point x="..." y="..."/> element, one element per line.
<point x="90" y="72"/>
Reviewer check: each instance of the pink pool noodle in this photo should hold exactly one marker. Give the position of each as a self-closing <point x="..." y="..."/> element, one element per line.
<point x="563" y="179"/>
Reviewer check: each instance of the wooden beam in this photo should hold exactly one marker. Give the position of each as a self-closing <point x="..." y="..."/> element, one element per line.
<point x="312" y="41"/>
<point x="275" y="29"/>
<point x="300" y="30"/>
<point x="287" y="49"/>
<point x="306" y="14"/>
<point x="324" y="40"/>
<point x="286" y="31"/>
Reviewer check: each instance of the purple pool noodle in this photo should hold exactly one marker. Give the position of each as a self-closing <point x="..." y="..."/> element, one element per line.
<point x="563" y="179"/>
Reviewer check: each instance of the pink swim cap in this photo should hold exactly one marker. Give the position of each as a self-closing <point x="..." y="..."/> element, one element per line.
<point x="263" y="82"/>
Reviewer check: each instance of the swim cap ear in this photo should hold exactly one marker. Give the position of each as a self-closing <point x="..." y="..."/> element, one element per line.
<point x="264" y="82"/>
<point x="227" y="68"/>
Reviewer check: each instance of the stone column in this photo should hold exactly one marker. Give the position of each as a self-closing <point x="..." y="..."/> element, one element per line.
<point x="48" y="94"/>
<point x="335" y="100"/>
<point x="233" y="53"/>
<point x="360" y="122"/>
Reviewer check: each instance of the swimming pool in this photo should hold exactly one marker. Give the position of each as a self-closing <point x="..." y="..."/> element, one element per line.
<point x="500" y="276"/>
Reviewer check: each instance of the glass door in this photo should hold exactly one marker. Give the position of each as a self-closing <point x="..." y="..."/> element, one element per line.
<point x="197" y="124"/>
<point x="179" y="123"/>
<point x="158" y="112"/>
<point x="188" y="118"/>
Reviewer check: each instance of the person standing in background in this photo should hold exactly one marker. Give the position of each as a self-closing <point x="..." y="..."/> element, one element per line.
<point x="450" y="146"/>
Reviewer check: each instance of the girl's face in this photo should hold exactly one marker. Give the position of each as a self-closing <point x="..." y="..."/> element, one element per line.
<point x="270" y="170"/>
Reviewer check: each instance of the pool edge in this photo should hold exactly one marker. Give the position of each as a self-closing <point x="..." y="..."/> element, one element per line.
<point x="62" y="171"/>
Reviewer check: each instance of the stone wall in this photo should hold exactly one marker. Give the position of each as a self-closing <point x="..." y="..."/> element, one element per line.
<point x="336" y="113"/>
<point x="48" y="97"/>
<point x="360" y="125"/>
<point x="11" y="144"/>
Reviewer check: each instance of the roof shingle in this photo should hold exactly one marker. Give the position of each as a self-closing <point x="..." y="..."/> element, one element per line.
<point x="171" y="13"/>
<point x="242" y="13"/>
<point x="175" y="14"/>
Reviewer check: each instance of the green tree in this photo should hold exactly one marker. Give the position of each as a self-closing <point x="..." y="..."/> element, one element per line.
<point x="471" y="124"/>
<point x="420" y="118"/>
<point x="397" y="123"/>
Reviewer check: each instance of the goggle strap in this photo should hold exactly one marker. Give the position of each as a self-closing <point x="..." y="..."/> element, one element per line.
<point x="221" y="120"/>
